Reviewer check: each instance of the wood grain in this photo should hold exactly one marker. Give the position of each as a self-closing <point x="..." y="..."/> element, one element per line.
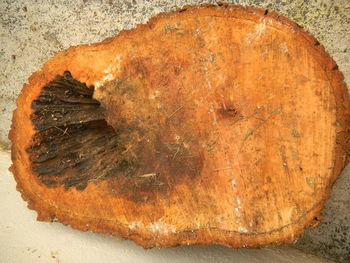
<point x="234" y="123"/>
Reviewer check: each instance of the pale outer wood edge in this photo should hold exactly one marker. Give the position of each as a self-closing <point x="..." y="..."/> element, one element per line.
<point x="285" y="234"/>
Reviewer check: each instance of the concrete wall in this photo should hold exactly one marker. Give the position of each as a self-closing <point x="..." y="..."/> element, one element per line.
<point x="31" y="31"/>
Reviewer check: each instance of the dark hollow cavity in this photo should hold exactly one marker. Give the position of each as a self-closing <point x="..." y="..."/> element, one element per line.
<point x="74" y="146"/>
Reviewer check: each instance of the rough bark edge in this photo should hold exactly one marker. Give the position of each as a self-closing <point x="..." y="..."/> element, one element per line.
<point x="45" y="210"/>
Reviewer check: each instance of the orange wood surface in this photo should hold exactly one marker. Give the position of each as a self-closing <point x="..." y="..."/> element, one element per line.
<point x="238" y="115"/>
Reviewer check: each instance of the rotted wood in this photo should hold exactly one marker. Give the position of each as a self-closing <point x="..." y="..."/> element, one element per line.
<point x="209" y="125"/>
<point x="71" y="134"/>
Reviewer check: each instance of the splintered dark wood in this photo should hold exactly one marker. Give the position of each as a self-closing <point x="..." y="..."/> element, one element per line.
<point x="63" y="102"/>
<point x="73" y="144"/>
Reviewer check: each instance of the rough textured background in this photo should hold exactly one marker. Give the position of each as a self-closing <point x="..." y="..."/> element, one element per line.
<point x="32" y="31"/>
<point x="331" y="239"/>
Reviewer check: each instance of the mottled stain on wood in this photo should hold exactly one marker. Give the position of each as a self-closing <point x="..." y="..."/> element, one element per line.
<point x="74" y="145"/>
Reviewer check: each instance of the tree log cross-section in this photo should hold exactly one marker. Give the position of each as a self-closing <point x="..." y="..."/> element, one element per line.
<point x="213" y="124"/>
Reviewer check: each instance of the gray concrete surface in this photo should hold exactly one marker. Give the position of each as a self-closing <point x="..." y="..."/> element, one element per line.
<point x="332" y="238"/>
<point x="31" y="31"/>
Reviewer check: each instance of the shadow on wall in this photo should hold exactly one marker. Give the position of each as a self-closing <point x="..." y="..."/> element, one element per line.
<point x="331" y="239"/>
<point x="5" y="146"/>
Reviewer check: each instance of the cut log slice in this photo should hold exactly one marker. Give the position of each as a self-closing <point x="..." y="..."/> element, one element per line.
<point x="208" y="125"/>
